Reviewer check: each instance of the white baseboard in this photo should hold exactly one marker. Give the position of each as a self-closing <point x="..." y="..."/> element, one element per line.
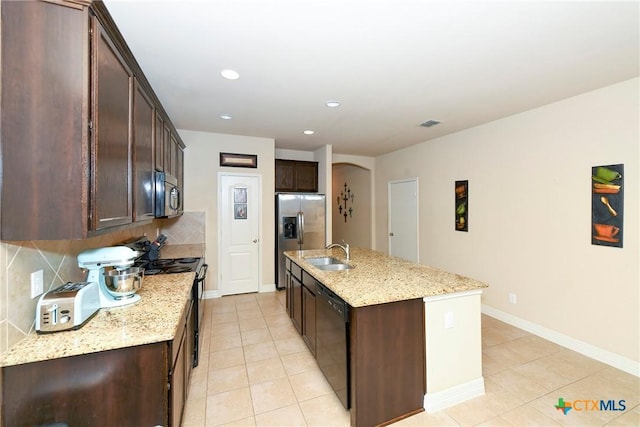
<point x="617" y="361"/>
<point x="452" y="396"/>
<point x="211" y="294"/>
<point x="267" y="288"/>
<point x="216" y="294"/>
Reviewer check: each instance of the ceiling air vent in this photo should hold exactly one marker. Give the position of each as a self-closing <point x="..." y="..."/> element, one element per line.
<point x="429" y="123"/>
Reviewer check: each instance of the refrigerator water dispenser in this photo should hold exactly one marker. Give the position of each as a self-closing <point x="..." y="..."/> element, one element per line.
<point x="290" y="227"/>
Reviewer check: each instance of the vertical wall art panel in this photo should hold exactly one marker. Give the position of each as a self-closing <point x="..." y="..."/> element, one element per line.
<point x="607" y="205"/>
<point x="240" y="203"/>
<point x="462" y="205"/>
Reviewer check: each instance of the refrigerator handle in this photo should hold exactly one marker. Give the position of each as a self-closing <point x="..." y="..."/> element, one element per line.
<point x="301" y="228"/>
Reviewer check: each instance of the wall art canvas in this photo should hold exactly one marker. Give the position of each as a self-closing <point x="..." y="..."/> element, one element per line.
<point x="462" y="205"/>
<point x="239" y="160"/>
<point x="607" y="205"/>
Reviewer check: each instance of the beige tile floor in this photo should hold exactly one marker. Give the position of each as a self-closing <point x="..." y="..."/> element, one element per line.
<point x="255" y="370"/>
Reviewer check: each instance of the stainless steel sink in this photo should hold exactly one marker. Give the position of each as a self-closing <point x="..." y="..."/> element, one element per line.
<point x="334" y="267"/>
<point x="325" y="260"/>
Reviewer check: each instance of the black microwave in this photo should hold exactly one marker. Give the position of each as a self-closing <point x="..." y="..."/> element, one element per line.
<point x="168" y="197"/>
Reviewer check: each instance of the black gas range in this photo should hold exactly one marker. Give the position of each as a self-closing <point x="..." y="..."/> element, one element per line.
<point x="182" y="265"/>
<point x="169" y="265"/>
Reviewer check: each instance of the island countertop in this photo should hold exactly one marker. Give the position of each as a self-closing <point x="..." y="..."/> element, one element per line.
<point x="377" y="278"/>
<point x="155" y="318"/>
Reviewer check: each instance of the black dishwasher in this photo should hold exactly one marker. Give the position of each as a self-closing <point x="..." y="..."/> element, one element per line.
<point x="332" y="341"/>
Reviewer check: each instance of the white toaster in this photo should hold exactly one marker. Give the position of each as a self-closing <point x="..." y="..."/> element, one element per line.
<point x="67" y="307"/>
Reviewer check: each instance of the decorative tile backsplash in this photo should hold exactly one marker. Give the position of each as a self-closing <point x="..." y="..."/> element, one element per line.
<point x="185" y="230"/>
<point x="57" y="259"/>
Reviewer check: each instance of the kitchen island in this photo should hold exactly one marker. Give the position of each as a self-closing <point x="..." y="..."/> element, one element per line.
<point x="125" y="366"/>
<point x="394" y="310"/>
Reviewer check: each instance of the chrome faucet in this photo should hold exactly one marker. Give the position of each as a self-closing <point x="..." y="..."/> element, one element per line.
<point x="344" y="247"/>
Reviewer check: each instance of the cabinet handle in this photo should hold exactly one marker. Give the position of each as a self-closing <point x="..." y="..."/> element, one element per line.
<point x="256" y="240"/>
<point x="391" y="234"/>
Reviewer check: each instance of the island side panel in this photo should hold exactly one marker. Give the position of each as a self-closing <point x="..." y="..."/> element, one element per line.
<point x="387" y="362"/>
<point x="453" y="348"/>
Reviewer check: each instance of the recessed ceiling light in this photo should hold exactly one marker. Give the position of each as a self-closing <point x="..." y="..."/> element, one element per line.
<point x="230" y="74"/>
<point x="308" y="132"/>
<point x="332" y="104"/>
<point x="226" y="116"/>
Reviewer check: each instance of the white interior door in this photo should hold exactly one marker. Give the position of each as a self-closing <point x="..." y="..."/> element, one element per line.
<point x="403" y="219"/>
<point x="239" y="230"/>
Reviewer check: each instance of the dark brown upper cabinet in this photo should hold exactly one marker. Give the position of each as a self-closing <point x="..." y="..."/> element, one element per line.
<point x="296" y="176"/>
<point x="166" y="147"/>
<point x="45" y="91"/>
<point x="144" y="117"/>
<point x="112" y="200"/>
<point x="79" y="134"/>
<point x="158" y="142"/>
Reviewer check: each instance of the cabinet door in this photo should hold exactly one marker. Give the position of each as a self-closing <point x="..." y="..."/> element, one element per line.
<point x="285" y="173"/>
<point x="190" y="344"/>
<point x="177" y="389"/>
<point x="44" y="132"/>
<point x="111" y="155"/>
<point x="167" y="148"/>
<point x="158" y="142"/>
<point x="143" y="155"/>
<point x="307" y="176"/>
<point x="174" y="155"/>
<point x="309" y="323"/>
<point x="180" y="171"/>
<point x="288" y="290"/>
<point x="296" y="303"/>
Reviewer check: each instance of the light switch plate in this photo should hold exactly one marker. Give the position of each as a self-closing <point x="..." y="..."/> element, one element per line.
<point x="37" y="283"/>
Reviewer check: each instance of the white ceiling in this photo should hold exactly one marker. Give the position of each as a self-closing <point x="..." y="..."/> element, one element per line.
<point x="391" y="63"/>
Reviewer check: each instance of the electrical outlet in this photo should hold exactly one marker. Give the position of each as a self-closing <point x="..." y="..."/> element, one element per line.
<point x="37" y="283"/>
<point x="513" y="298"/>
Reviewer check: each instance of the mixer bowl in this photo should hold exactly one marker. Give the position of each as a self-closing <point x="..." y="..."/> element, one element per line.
<point x="123" y="283"/>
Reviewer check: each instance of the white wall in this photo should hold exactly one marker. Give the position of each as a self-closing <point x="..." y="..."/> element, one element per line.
<point x="306" y="156"/>
<point x="201" y="159"/>
<point x="530" y="213"/>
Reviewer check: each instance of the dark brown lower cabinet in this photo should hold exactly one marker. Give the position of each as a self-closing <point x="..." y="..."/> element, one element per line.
<point x="387" y="378"/>
<point x="296" y="303"/>
<point x="309" y="311"/>
<point x="296" y="296"/>
<point x="387" y="362"/>
<point x="309" y="323"/>
<point x="123" y="387"/>
<point x="287" y="287"/>
<point x="182" y="347"/>
<point x="137" y="386"/>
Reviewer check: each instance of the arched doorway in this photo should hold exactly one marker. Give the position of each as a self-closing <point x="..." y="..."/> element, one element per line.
<point x="351" y="202"/>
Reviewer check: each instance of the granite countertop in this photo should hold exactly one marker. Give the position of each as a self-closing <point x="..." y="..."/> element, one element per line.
<point x="155" y="318"/>
<point x="377" y="278"/>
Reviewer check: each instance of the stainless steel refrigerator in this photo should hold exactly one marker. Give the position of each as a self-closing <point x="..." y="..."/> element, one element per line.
<point x="300" y="224"/>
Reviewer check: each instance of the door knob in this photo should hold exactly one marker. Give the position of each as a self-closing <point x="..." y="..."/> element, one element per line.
<point x="255" y="240"/>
